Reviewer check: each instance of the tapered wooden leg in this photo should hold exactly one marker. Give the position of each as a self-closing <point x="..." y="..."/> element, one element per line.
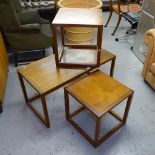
<point x="23" y="87"/>
<point x="127" y="108"/>
<point x="45" y="111"/>
<point x="118" y="22"/>
<point x="66" y="96"/>
<point x="97" y="131"/>
<point x="1" y="108"/>
<point x="112" y="67"/>
<point x="111" y="11"/>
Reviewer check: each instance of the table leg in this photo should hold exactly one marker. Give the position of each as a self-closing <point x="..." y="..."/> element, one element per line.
<point x="66" y="96"/>
<point x="44" y="118"/>
<point x="112" y="66"/>
<point x="128" y="104"/>
<point x="23" y="87"/>
<point x="47" y="122"/>
<point x="97" y="131"/>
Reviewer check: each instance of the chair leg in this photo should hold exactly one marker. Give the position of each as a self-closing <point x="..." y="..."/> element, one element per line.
<point x="16" y="59"/>
<point x="118" y="22"/>
<point x="111" y="11"/>
<point x="1" y="108"/>
<point x="43" y="51"/>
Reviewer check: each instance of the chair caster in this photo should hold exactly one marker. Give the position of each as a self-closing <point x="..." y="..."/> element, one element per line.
<point x="116" y="39"/>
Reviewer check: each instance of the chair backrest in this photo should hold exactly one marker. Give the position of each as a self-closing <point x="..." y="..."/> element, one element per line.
<point x="150" y="57"/>
<point x="9" y="20"/>
<point x="17" y="5"/>
<point x="126" y="5"/>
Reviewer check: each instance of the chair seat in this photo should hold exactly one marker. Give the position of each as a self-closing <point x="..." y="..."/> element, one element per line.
<point x="127" y="8"/>
<point x="46" y="29"/>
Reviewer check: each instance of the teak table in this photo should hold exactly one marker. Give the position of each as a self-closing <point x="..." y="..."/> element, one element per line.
<point x="98" y="93"/>
<point x="45" y="77"/>
<point x="77" y="55"/>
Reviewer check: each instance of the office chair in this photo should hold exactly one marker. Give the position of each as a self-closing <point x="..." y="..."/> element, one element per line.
<point x="122" y="6"/>
<point x="132" y="18"/>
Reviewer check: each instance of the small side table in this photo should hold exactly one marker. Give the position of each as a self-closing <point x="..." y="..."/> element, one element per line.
<point x="77" y="55"/>
<point x="98" y="93"/>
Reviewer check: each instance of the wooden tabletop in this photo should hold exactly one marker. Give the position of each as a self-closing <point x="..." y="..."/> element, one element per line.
<point x="45" y="77"/>
<point x="78" y="16"/>
<point x="79" y="56"/>
<point x="99" y="92"/>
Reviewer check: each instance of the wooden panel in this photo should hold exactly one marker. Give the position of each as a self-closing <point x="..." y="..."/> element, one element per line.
<point x="2" y="82"/>
<point x="99" y="92"/>
<point x="3" y="54"/>
<point x="3" y="68"/>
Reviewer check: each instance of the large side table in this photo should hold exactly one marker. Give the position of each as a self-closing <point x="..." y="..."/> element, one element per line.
<point x="98" y="93"/>
<point x="45" y="77"/>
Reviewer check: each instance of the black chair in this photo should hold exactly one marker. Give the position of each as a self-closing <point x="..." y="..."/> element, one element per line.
<point x="122" y="6"/>
<point x="132" y="18"/>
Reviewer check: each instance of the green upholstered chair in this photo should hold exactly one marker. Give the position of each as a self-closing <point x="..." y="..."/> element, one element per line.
<point x="28" y="16"/>
<point x="23" y="30"/>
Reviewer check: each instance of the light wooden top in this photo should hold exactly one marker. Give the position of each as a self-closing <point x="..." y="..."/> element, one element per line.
<point x="99" y="92"/>
<point x="45" y="77"/>
<point x="78" y="16"/>
<point x="79" y="56"/>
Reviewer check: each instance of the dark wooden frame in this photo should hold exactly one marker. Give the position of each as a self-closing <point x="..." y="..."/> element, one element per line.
<point x="75" y="46"/>
<point x="45" y="117"/>
<point x="96" y="141"/>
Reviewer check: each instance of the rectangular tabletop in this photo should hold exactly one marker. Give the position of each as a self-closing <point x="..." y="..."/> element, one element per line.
<point x="78" y="16"/>
<point x="45" y="77"/>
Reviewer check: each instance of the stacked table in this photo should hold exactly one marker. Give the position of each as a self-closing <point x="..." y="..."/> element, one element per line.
<point x="95" y="91"/>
